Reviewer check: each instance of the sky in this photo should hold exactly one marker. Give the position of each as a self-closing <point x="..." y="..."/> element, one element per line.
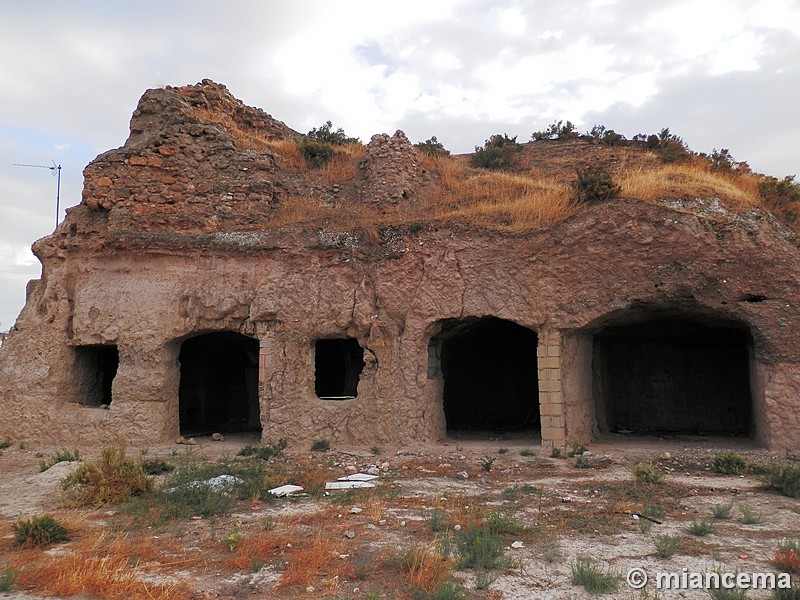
<point x="720" y="74"/>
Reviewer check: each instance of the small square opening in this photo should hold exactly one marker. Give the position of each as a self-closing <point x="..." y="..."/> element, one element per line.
<point x="95" y="369"/>
<point x="337" y="368"/>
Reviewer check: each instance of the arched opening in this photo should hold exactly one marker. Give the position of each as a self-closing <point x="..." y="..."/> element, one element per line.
<point x="665" y="372"/>
<point x="490" y="376"/>
<point x="219" y="384"/>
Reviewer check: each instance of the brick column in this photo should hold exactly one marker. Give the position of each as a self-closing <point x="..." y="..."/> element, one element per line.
<point x="551" y="397"/>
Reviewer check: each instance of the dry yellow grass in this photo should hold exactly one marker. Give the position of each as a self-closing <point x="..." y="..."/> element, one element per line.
<point x="289" y="156"/>
<point x="739" y="191"/>
<point x="256" y="548"/>
<point x="308" y="562"/>
<point x="426" y="570"/>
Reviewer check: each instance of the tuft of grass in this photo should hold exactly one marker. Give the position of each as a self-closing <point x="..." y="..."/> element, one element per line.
<point x="749" y="517"/>
<point x="426" y="572"/>
<point x="722" y="511"/>
<point x="307" y="562"/>
<point x="39" y="531"/>
<point x="787" y="556"/>
<point x="58" y="457"/>
<point x="112" y="478"/>
<point x="518" y="490"/>
<point x="792" y="593"/>
<point x="701" y="528"/>
<point x="729" y="462"/>
<point x="375" y="450"/>
<point x="502" y="450"/>
<point x="645" y="526"/>
<point x="586" y="574"/>
<point x="487" y="462"/>
<point x="527" y="453"/>
<point x="784" y="478"/>
<point x="320" y="446"/>
<point x="7" y="578"/>
<point x="722" y="593"/>
<point x="157" y="467"/>
<point x="583" y="463"/>
<point x="436" y="520"/>
<point x="479" y="548"/>
<point x="665" y="545"/>
<point x="504" y="523"/>
<point x="556" y="452"/>
<point x="647" y="473"/>
<point x="264" y="452"/>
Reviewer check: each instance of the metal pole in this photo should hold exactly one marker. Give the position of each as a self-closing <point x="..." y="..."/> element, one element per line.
<point x="58" y="195"/>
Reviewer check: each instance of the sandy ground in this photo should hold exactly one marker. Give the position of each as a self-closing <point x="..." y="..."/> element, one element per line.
<point x="574" y="513"/>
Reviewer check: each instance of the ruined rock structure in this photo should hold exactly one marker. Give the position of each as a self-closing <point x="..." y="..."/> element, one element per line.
<point x="174" y="300"/>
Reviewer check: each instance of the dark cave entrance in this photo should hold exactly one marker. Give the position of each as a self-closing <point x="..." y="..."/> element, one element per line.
<point x="337" y="368"/>
<point x="673" y="374"/>
<point x="219" y="384"/>
<point x="96" y="367"/>
<point x="490" y="375"/>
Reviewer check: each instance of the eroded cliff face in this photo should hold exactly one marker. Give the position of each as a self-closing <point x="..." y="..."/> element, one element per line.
<point x="172" y="243"/>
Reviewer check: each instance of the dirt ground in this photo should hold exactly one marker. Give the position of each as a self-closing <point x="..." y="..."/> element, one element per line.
<point x="345" y="544"/>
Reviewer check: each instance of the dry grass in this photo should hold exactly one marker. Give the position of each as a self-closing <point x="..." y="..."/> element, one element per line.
<point x="426" y="570"/>
<point x="288" y="154"/>
<point x="104" y="565"/>
<point x="309" y="562"/>
<point x="343" y="166"/>
<point x="256" y="548"/>
<point x="690" y="180"/>
<point x="243" y="139"/>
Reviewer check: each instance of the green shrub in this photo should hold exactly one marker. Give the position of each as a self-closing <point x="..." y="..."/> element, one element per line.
<point x="586" y="574"/>
<point x="721" y="160"/>
<point x="478" y="548"/>
<point x="432" y="147"/>
<point x="436" y="520"/>
<point x="156" y="467"/>
<point x="594" y="184"/>
<point x="315" y="152"/>
<point x="447" y="590"/>
<point x="781" y="196"/>
<point x="487" y="462"/>
<point x="701" y="528"/>
<point x="504" y="523"/>
<point x="647" y="472"/>
<point x="326" y="134"/>
<point x="320" y="446"/>
<point x="58" y="457"/>
<point x="607" y="136"/>
<point x="558" y="130"/>
<point x="749" y="517"/>
<point x="729" y="462"/>
<point x="665" y="545"/>
<point x="785" y="479"/>
<point x="264" y="452"/>
<point x="112" y="478"/>
<point x="668" y="146"/>
<point x="40" y="531"/>
<point x="498" y="152"/>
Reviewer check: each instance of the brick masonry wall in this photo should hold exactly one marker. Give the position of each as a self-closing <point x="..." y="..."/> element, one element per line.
<point x="551" y="397"/>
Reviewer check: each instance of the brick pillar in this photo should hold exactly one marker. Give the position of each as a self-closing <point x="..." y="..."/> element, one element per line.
<point x="551" y="397"/>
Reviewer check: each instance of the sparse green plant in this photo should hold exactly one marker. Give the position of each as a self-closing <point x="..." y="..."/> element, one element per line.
<point x="556" y="452"/>
<point x="792" y="593"/>
<point x="504" y="523"/>
<point x="39" y="531"/>
<point x="483" y="579"/>
<point x="784" y="478"/>
<point x="7" y="443"/>
<point x="595" y="581"/>
<point x="487" y="462"/>
<point x="234" y="537"/>
<point x="722" y="511"/>
<point x="325" y="133"/>
<point x="577" y="450"/>
<point x="608" y="136"/>
<point x="668" y="146"/>
<point x="316" y="153"/>
<point x="729" y="462"/>
<point x="723" y="593"/>
<point x="527" y="453"/>
<point x="264" y="452"/>
<point x="551" y="551"/>
<point x="375" y="450"/>
<point x="518" y="490"/>
<point x="320" y="446"/>
<point x="749" y="517"/>
<point x="502" y="450"/>
<point x="787" y="556"/>
<point x="594" y="184"/>
<point x="647" y="473"/>
<point x="478" y="548"/>
<point x="558" y="130"/>
<point x="583" y="463"/>
<point x="8" y="576"/>
<point x="432" y="147"/>
<point x="498" y="152"/>
<point x="59" y="457"/>
<point x="447" y="590"/>
<point x="112" y="478"/>
<point x="665" y="545"/>
<point x="436" y="520"/>
<point x="654" y="511"/>
<point x="645" y="525"/>
<point x="701" y="528"/>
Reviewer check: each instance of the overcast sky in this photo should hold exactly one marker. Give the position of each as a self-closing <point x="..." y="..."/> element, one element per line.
<point x="718" y="73"/>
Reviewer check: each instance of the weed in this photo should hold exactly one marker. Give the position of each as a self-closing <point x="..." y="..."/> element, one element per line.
<point x="647" y="472"/>
<point x="792" y="593"/>
<point x="483" y="579"/>
<point x="653" y="510"/>
<point x="320" y="446"/>
<point x="112" y="478"/>
<point x="665" y="545"/>
<point x="556" y="452"/>
<point x="701" y="528"/>
<point x="7" y="443"/>
<point x="782" y="196"/>
<point x="557" y="130"/>
<point x="551" y="552"/>
<point x="316" y="153"/>
<point x="502" y="450"/>
<point x="487" y="462"/>
<point x="518" y="490"/>
<point x="586" y="574"/>
<point x="7" y="578"/>
<point x="264" y="452"/>
<point x="787" y="556"/>
<point x="156" y="467"/>
<point x="504" y="523"/>
<point x="608" y="136"/>
<point x="785" y="479"/>
<point x="729" y="462"/>
<point x="645" y="526"/>
<point x="723" y="593"/>
<point x="749" y="517"/>
<point x="577" y="450"/>
<point x="447" y="590"/>
<point x="594" y="184"/>
<point x="583" y="463"/>
<point x="722" y="511"/>
<point x="58" y="457"/>
<point x="478" y="548"/>
<point x="527" y="453"/>
<point x="375" y="450"/>
<point x="436" y="520"/>
<point x="39" y="531"/>
<point x="325" y="133"/>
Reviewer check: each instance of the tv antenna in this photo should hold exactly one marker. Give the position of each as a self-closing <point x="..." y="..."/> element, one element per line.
<point x="56" y="169"/>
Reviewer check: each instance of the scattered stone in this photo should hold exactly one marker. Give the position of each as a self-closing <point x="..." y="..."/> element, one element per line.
<point x="666" y="455"/>
<point x="217" y="437"/>
<point x="183" y="441"/>
<point x="587" y="453"/>
<point x="373" y="471"/>
<point x="356" y="510"/>
<point x="351" y="469"/>
<point x="349" y="534"/>
<point x="463" y="474"/>
<point x="457" y="527"/>
<point x="518" y="544"/>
